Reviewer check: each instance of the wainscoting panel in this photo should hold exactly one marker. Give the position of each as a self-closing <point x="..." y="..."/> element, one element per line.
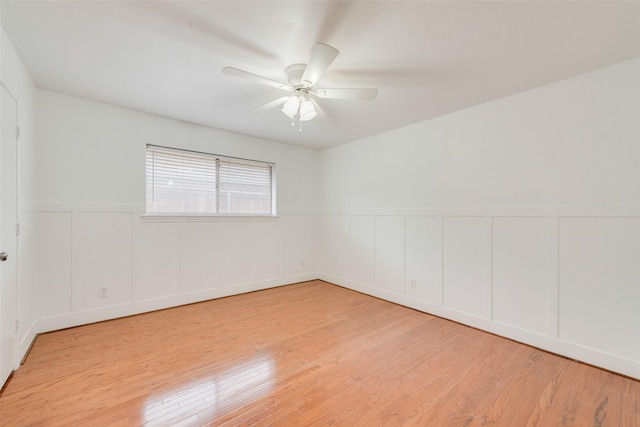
<point x="337" y="256"/>
<point x="423" y="258"/>
<point x="269" y="251"/>
<point x="54" y="254"/>
<point x="314" y="226"/>
<point x="600" y="284"/>
<point x="296" y="250"/>
<point x="361" y="268"/>
<point x="465" y="251"/>
<point x="323" y="242"/>
<point x="101" y="257"/>
<point x="240" y="252"/>
<point x="156" y="259"/>
<point x="202" y="256"/>
<point x="550" y="278"/>
<point x="521" y="272"/>
<point x="389" y="253"/>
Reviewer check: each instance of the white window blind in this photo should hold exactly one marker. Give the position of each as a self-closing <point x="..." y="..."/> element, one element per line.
<point x="181" y="182"/>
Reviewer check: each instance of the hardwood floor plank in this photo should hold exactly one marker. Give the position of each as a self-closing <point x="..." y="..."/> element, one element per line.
<point x="619" y="396"/>
<point x="578" y="388"/>
<point x="548" y="397"/>
<point x="513" y="400"/>
<point x="305" y="354"/>
<point x="622" y="402"/>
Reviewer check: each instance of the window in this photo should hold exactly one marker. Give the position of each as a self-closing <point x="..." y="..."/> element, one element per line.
<point x="181" y="182"/>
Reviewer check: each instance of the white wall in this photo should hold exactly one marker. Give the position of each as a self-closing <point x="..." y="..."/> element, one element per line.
<point x="520" y="216"/>
<point x="94" y="154"/>
<point x="565" y="144"/>
<point x="91" y="194"/>
<point x="15" y="77"/>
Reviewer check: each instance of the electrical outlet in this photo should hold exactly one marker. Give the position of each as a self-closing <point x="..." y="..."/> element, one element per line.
<point x="412" y="283"/>
<point x="302" y="264"/>
<point x="103" y="292"/>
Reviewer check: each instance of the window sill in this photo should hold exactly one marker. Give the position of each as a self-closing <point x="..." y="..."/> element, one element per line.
<point x="207" y="218"/>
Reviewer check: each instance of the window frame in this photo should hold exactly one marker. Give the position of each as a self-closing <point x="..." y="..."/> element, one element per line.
<point x="198" y="217"/>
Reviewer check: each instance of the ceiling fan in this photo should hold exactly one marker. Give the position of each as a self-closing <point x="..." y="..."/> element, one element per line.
<point x="301" y="101"/>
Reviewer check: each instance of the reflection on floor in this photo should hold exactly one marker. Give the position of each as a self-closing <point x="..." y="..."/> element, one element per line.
<point x="222" y="391"/>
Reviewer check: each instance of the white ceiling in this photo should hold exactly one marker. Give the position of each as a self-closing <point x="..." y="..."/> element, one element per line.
<point x="426" y="58"/>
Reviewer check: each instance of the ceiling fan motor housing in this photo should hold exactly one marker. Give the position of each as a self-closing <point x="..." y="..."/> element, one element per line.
<point x="294" y="75"/>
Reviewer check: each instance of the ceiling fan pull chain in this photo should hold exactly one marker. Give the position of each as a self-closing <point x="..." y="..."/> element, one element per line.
<point x="300" y="131"/>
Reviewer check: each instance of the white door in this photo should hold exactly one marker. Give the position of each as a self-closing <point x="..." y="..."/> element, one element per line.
<point x="8" y="239"/>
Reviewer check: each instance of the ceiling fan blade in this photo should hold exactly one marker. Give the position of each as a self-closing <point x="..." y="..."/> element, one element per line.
<point x="321" y="57"/>
<point x="269" y="105"/>
<point x="357" y="94"/>
<point x="320" y="111"/>
<point x="254" y="77"/>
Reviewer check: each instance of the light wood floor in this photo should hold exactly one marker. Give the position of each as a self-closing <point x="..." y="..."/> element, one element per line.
<point x="304" y="354"/>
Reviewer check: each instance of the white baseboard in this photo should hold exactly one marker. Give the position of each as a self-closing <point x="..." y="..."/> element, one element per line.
<point x="590" y="356"/>
<point x="567" y="349"/>
<point x="68" y="320"/>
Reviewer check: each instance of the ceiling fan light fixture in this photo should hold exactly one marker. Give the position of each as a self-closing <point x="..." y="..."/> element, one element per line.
<point x="307" y="111"/>
<point x="291" y="106"/>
